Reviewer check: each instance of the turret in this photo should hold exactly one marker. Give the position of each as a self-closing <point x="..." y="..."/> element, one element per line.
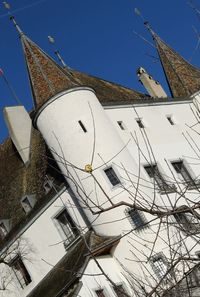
<point x="89" y="151"/>
<point x="152" y="86"/>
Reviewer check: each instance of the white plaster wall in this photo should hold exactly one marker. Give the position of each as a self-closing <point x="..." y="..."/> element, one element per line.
<point x="44" y="245"/>
<point x="73" y="149"/>
<point x="167" y="142"/>
<point x="92" y="280"/>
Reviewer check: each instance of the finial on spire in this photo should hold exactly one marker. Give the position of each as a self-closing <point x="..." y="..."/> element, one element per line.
<point x="16" y="26"/>
<point x="57" y="53"/>
<point x="146" y="23"/>
<point x="7" y="6"/>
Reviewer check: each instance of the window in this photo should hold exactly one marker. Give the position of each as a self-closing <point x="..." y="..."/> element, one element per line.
<point x="100" y="293"/>
<point x="119" y="290"/>
<point x="140" y="123"/>
<point x="170" y="119"/>
<point x="3" y="230"/>
<point x="82" y="126"/>
<point x="20" y="271"/>
<point x="112" y="176"/>
<point x="48" y="184"/>
<point x="182" y="172"/>
<point x="187" y="221"/>
<point x="28" y="203"/>
<point x="159" y="264"/>
<point x="121" y="125"/>
<point x="138" y="219"/>
<point x="157" y="178"/>
<point x="66" y="227"/>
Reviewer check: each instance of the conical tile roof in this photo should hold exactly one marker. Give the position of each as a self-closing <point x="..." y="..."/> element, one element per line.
<point x="182" y="77"/>
<point x="46" y="77"/>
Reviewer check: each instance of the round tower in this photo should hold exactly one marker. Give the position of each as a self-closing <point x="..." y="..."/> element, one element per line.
<point x="89" y="152"/>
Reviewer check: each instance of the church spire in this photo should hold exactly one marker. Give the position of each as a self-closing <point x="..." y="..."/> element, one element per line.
<point x="182" y="77"/>
<point x="46" y="77"/>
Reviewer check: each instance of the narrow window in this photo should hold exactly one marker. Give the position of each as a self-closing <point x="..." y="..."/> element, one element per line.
<point x="160" y="265"/>
<point x="140" y="123"/>
<point x="156" y="177"/>
<point x="121" y="125"/>
<point x="82" y="126"/>
<point x="170" y="119"/>
<point x="100" y="293"/>
<point x="186" y="221"/>
<point x="119" y="290"/>
<point x="138" y="219"/>
<point x="20" y="271"/>
<point x="66" y="227"/>
<point x="48" y="184"/>
<point x="182" y="172"/>
<point x="3" y="230"/>
<point x="26" y="205"/>
<point x="112" y="176"/>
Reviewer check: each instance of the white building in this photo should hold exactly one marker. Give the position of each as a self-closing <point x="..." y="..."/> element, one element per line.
<point x="100" y="184"/>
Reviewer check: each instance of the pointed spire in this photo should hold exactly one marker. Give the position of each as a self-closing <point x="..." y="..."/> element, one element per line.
<point x="46" y="77"/>
<point x="182" y="77"/>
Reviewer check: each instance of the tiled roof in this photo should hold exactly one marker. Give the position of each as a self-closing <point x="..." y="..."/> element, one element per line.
<point x="17" y="180"/>
<point x="47" y="78"/>
<point x="63" y="278"/>
<point x="182" y="77"/>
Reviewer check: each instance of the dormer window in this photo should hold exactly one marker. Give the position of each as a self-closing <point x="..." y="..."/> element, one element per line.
<point x="48" y="185"/>
<point x="28" y="203"/>
<point x="4" y="228"/>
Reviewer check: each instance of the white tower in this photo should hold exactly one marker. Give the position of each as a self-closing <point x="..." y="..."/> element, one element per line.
<point x="152" y="86"/>
<point x="90" y="153"/>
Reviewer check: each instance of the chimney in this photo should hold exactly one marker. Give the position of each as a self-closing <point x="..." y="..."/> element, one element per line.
<point x="152" y="86"/>
<point x="19" y="126"/>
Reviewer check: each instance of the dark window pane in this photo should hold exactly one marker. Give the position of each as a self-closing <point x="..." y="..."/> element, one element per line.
<point x="67" y="226"/>
<point x="113" y="178"/>
<point x="21" y="272"/>
<point x="100" y="293"/>
<point x="138" y="219"/>
<point x="119" y="291"/>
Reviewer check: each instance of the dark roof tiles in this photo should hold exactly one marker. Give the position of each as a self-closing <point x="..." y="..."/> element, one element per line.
<point x="182" y="77"/>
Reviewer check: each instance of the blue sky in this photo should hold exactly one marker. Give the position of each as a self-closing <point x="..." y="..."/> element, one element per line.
<point x="96" y="37"/>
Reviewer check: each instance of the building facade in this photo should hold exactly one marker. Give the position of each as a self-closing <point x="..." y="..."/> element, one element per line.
<point x="100" y="184"/>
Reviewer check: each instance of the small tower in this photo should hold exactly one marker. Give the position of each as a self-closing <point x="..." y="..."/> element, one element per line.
<point x="88" y="150"/>
<point x="152" y="86"/>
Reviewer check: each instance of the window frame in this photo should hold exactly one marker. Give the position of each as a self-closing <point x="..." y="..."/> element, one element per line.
<point x="116" y="174"/>
<point x="124" y="288"/>
<point x="164" y="187"/>
<point x="158" y="269"/>
<point x="191" y="183"/>
<point x="140" y="122"/>
<point x="27" y="208"/>
<point x="105" y="291"/>
<point x="170" y="119"/>
<point x="26" y="277"/>
<point x="67" y="241"/>
<point x="140" y="227"/>
<point x="6" y="227"/>
<point x="186" y="222"/>
<point x="121" y="125"/>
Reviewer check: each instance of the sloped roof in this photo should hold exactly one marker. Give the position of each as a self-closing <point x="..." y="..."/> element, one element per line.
<point x="47" y="78"/>
<point x="64" y="276"/>
<point x="182" y="77"/>
<point x="17" y="180"/>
